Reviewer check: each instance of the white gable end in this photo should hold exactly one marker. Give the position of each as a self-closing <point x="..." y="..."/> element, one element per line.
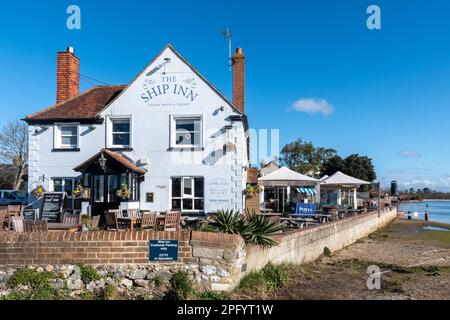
<point x="169" y="84"/>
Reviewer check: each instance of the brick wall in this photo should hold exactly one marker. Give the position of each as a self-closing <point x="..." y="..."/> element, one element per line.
<point x="100" y="247"/>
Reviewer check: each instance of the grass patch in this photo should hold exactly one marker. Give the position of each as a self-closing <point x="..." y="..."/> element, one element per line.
<point x="269" y="278"/>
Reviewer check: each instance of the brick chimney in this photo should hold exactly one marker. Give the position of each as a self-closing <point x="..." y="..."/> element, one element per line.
<point x="67" y="75"/>
<point x="239" y="80"/>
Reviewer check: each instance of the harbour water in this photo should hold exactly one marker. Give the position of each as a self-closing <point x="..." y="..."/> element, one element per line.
<point x="439" y="211"/>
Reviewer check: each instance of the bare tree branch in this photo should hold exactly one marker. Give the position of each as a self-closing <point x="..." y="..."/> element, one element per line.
<point x="14" y="149"/>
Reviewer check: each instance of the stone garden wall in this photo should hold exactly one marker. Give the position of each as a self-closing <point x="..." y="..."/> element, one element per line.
<point x="212" y="260"/>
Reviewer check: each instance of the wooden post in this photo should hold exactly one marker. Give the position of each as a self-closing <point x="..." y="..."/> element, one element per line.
<point x="379" y="199"/>
<point x="426" y="215"/>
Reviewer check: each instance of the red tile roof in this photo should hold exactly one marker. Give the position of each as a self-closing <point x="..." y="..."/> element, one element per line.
<point x="86" y="106"/>
<point x="120" y="158"/>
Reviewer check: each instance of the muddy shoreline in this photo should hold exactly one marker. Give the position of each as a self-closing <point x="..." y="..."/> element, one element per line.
<point x="414" y="264"/>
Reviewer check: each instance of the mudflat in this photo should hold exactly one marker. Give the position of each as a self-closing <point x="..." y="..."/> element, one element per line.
<point x="414" y="263"/>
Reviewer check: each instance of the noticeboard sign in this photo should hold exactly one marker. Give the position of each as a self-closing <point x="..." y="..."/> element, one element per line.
<point x="163" y="250"/>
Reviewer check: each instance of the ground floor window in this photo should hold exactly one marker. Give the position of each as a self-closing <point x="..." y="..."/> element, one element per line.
<point x="188" y="194"/>
<point x="64" y="185"/>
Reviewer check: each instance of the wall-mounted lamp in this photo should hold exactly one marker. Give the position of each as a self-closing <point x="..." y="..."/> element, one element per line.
<point x="102" y="162"/>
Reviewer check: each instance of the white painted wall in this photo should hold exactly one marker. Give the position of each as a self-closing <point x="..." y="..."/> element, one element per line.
<point x="224" y="175"/>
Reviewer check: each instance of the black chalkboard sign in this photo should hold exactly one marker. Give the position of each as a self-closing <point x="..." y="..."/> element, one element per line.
<point x="52" y="207"/>
<point x="30" y="214"/>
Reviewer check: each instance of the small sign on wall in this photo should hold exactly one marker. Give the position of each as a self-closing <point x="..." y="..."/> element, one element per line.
<point x="163" y="250"/>
<point x="150" y="197"/>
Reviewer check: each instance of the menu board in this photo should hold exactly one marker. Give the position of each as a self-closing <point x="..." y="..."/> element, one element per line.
<point x="30" y="214"/>
<point x="52" y="207"/>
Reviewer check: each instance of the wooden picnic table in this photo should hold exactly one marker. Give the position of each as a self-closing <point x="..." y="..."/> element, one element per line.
<point x="299" y="222"/>
<point x="68" y="227"/>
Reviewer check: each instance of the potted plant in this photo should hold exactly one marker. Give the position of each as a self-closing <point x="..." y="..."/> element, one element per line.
<point x="86" y="221"/>
<point x="79" y="190"/>
<point x="123" y="192"/>
<point x="252" y="190"/>
<point x="38" y="191"/>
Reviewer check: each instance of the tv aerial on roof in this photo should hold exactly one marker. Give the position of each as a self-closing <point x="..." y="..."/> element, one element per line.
<point x="227" y="34"/>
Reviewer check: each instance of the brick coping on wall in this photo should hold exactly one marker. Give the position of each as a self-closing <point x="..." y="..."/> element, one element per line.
<point x="285" y="236"/>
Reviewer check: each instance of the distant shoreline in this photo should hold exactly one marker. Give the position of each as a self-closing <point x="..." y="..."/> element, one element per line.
<point x="424" y="200"/>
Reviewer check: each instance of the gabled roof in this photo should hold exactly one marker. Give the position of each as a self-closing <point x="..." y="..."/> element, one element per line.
<point x="118" y="157"/>
<point x="341" y="179"/>
<point x="286" y="177"/>
<point x="92" y="102"/>
<point x="86" y="106"/>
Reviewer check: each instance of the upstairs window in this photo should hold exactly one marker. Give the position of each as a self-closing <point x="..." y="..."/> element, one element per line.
<point x="119" y="133"/>
<point x="186" y="132"/>
<point x="66" y="136"/>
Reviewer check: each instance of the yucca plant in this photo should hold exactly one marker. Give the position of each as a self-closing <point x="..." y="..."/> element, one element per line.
<point x="254" y="228"/>
<point x="259" y="230"/>
<point x="228" y="221"/>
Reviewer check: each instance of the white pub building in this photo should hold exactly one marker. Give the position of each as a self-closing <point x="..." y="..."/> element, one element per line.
<point x="168" y="140"/>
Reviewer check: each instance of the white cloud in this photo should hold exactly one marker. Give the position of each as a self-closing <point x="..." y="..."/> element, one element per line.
<point x="410" y="154"/>
<point x="313" y="105"/>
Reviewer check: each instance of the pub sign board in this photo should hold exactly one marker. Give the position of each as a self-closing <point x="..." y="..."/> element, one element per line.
<point x="163" y="250"/>
<point x="52" y="206"/>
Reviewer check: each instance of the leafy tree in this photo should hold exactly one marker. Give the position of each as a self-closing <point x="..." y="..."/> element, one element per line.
<point x="332" y="165"/>
<point x="360" y="167"/>
<point x="304" y="158"/>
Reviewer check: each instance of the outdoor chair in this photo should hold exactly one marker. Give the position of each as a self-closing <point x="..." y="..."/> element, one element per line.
<point x="17" y="224"/>
<point x="148" y="220"/>
<point x="134" y="213"/>
<point x="15" y="209"/>
<point x="95" y="221"/>
<point x="172" y="221"/>
<point x="71" y="219"/>
<point x="3" y="214"/>
<point x="36" y="226"/>
<point x="117" y="212"/>
<point x="111" y="220"/>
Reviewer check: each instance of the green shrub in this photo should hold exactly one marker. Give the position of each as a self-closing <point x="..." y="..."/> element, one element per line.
<point x="326" y="252"/>
<point x="38" y="284"/>
<point x="157" y="280"/>
<point x="87" y="295"/>
<point x="254" y="280"/>
<point x="274" y="276"/>
<point x="180" y="287"/>
<point x="211" y="295"/>
<point x="88" y="274"/>
<point x="270" y="277"/>
<point x="109" y="292"/>
<point x="29" y="277"/>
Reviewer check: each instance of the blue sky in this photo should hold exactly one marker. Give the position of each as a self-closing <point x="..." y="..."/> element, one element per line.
<point x="388" y="89"/>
